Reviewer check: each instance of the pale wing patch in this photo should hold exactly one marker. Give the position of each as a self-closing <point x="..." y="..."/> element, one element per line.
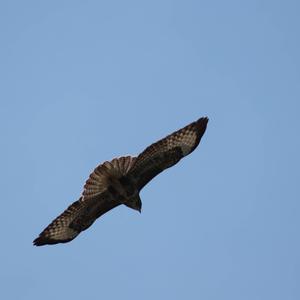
<point x="185" y="140"/>
<point x="63" y="232"/>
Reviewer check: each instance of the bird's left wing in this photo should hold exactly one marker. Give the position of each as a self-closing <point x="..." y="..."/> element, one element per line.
<point x="167" y="152"/>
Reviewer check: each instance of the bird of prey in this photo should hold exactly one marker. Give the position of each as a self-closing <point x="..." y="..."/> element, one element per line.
<point x="120" y="181"/>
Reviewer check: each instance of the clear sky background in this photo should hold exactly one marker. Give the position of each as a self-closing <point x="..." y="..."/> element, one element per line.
<point x="85" y="81"/>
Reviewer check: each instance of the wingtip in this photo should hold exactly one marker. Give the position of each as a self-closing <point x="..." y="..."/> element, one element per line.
<point x="38" y="242"/>
<point x="201" y="124"/>
<point x="41" y="241"/>
<point x="203" y="120"/>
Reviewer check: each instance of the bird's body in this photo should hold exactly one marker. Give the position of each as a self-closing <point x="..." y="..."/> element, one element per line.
<point x="120" y="182"/>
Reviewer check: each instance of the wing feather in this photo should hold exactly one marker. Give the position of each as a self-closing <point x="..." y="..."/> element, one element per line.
<point x="167" y="152"/>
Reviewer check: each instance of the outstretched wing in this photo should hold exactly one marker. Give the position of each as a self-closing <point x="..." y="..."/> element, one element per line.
<point x="95" y="201"/>
<point x="77" y="217"/>
<point x="167" y="152"/>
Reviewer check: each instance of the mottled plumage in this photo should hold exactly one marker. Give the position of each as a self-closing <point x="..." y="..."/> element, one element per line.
<point x="119" y="182"/>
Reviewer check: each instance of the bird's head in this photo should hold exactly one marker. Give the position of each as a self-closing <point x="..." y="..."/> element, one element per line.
<point x="135" y="203"/>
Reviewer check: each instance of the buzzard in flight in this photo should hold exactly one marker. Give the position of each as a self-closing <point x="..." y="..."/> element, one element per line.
<point x="120" y="181"/>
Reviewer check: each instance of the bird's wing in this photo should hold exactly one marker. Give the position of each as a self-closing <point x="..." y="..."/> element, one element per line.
<point x="95" y="201"/>
<point x="72" y="221"/>
<point x="167" y="152"/>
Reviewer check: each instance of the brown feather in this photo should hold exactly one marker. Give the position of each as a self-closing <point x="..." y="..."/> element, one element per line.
<point x="167" y="152"/>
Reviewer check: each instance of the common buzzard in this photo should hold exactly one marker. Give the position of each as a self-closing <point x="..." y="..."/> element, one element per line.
<point x="119" y="182"/>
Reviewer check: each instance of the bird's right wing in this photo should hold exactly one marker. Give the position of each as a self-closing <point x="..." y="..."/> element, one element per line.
<point x="76" y="218"/>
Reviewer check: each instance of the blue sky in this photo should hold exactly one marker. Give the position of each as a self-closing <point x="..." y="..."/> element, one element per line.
<point x="85" y="81"/>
